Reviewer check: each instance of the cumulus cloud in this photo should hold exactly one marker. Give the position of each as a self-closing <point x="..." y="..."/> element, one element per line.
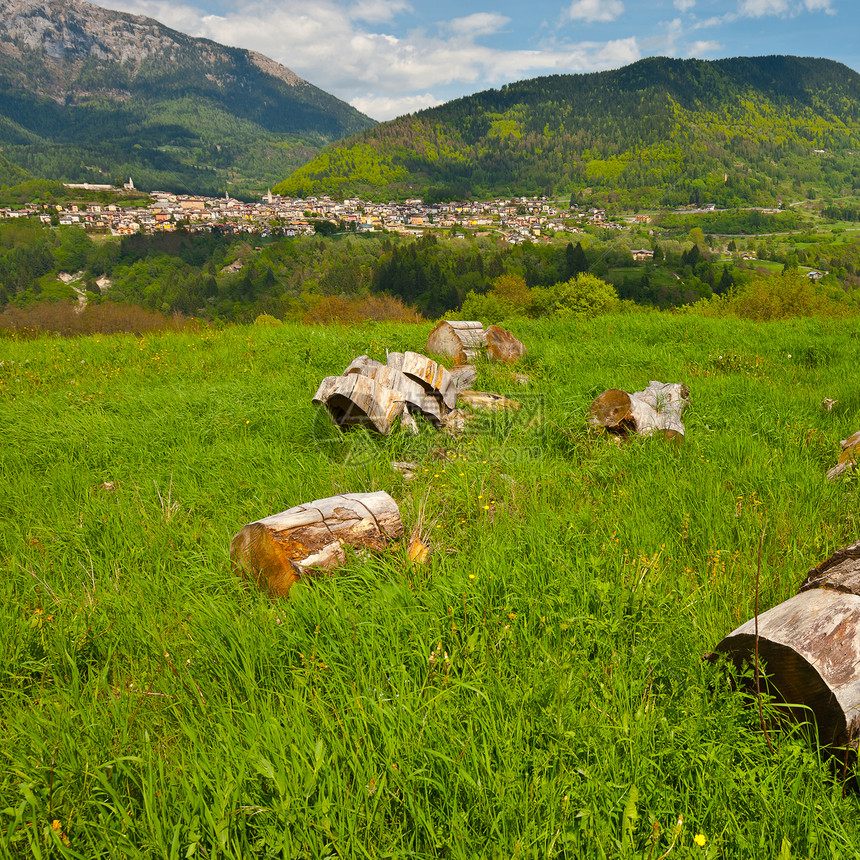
<point x="377" y="11"/>
<point x="595" y="10"/>
<point x="684" y="5"/>
<point x="382" y="74"/>
<point x="479" y="24"/>
<point x="701" y="48"/>
<point x="393" y="106"/>
<point x="783" y="8"/>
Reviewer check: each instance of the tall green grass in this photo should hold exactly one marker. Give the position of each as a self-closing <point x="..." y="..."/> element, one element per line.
<point x="538" y="690"/>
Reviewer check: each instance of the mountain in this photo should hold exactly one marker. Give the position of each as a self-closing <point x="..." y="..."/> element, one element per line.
<point x="90" y="94"/>
<point x="660" y="131"/>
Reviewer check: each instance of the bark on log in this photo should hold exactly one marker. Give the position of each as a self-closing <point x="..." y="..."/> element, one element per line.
<point x="356" y="400"/>
<point x="656" y="409"/>
<point x="277" y="551"/>
<point x="809" y="649"/>
<point x="461" y="340"/>
<point x="503" y="346"/>
<point x="849" y="457"/>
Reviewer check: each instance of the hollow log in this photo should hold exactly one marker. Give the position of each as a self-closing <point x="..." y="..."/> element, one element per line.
<point x="277" y="551"/>
<point x="433" y="377"/>
<point x="461" y="340"/>
<point x="503" y="346"/>
<point x="357" y="400"/>
<point x="809" y="649"/>
<point x="849" y="457"/>
<point x="411" y="392"/>
<point x="656" y="409"/>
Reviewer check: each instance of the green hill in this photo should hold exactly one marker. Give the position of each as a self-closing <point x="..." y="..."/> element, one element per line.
<point x="90" y="94"/>
<point x="660" y="131"/>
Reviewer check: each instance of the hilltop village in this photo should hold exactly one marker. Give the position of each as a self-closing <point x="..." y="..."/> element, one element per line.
<point x="516" y="219"/>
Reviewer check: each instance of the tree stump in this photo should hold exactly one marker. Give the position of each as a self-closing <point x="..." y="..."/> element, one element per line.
<point x="809" y="649"/>
<point x="461" y="340"/>
<point x="278" y="551"/>
<point x="657" y="409"/>
<point x="849" y="457"/>
<point x="503" y="346"/>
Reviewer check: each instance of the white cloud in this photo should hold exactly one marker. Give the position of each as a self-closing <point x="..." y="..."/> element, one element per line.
<point x="393" y="106"/>
<point x="377" y="11"/>
<point x="759" y="8"/>
<point x="819" y="6"/>
<point x="783" y="8"/>
<point x="595" y="10"/>
<point x="699" y="49"/>
<point x="380" y="73"/>
<point x="479" y="24"/>
<point x="684" y="5"/>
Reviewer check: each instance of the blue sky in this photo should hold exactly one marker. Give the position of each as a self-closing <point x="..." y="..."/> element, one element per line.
<point x="390" y="57"/>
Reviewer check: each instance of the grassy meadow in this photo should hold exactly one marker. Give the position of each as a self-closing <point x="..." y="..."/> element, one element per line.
<point x="536" y="691"/>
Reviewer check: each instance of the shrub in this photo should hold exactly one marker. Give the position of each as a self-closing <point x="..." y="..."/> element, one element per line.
<point x="267" y="320"/>
<point x="337" y="309"/>
<point x="775" y="297"/>
<point x="584" y="295"/>
<point x="65" y="319"/>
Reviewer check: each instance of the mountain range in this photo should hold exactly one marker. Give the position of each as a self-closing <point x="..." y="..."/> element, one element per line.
<point x="749" y="130"/>
<point x="91" y="94"/>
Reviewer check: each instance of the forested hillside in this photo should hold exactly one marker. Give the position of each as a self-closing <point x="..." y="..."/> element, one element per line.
<point x="90" y="94"/>
<point x="658" y="132"/>
<point x="221" y="277"/>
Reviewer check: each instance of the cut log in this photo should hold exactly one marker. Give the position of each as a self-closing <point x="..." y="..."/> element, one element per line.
<point x="849" y="457"/>
<point x="503" y="346"/>
<point x="433" y="377"/>
<point x="809" y="649"/>
<point x="463" y="341"/>
<point x="356" y="400"/>
<point x="656" y="409"/>
<point x="277" y="551"/>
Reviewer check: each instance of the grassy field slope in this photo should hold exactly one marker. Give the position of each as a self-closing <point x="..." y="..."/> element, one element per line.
<point x="536" y="691"/>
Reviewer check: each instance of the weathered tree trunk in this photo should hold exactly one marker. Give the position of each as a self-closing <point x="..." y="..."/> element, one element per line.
<point x="461" y="340"/>
<point x="357" y="400"/>
<point x="411" y="392"/>
<point x="656" y="409"/>
<point x="433" y="377"/>
<point x="849" y="457"/>
<point x="277" y="551"/>
<point x="809" y="649"/>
